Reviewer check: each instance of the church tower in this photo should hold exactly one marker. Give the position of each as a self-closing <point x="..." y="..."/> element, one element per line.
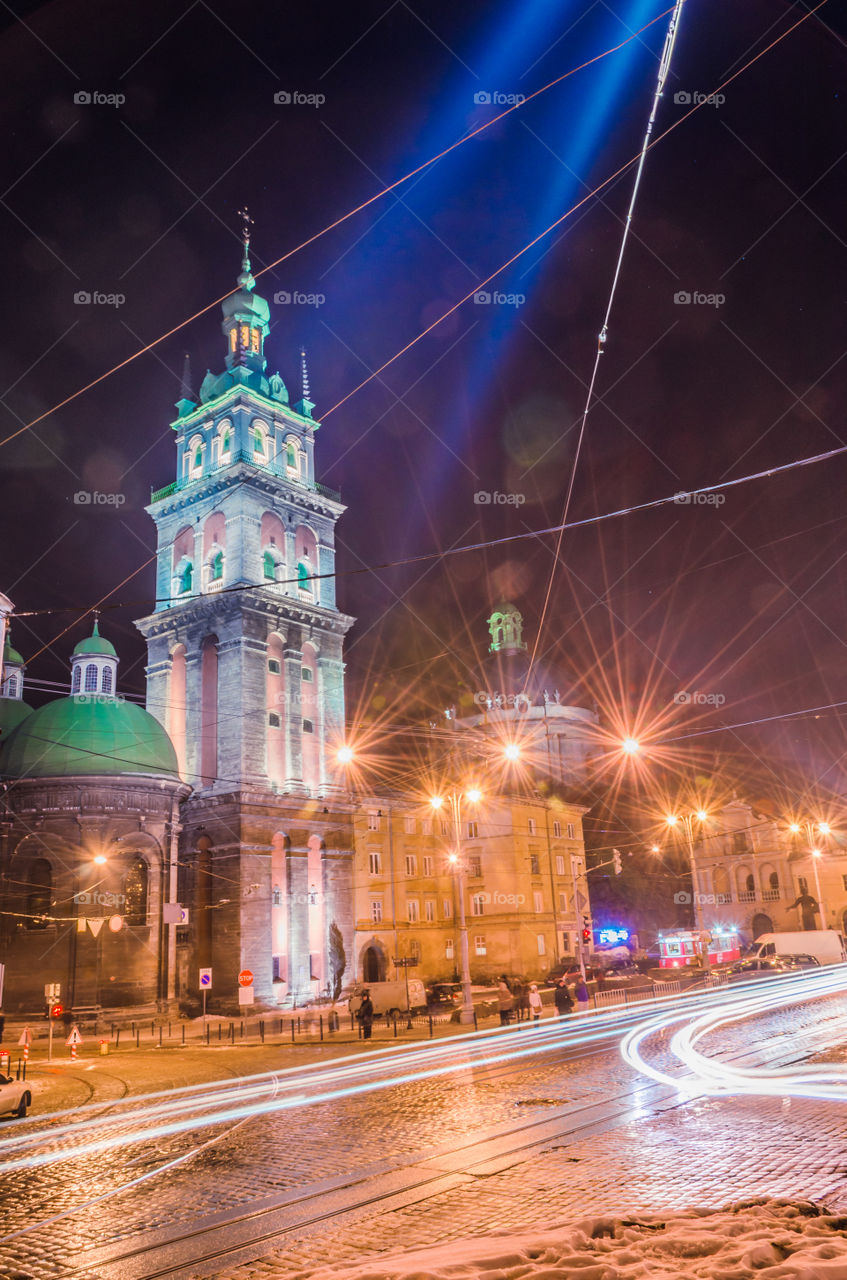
<point x="245" y="666"/>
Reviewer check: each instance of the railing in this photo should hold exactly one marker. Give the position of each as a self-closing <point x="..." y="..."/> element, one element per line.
<point x="749" y="895"/>
<point x="770" y="895"/>
<point x="244" y="456"/>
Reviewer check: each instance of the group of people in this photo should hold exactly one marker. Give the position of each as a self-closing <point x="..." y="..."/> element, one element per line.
<point x="522" y="1002"/>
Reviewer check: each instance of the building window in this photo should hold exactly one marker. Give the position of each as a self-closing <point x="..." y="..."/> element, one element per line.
<point x="373" y="820"/>
<point x="277" y="896"/>
<point x="478" y="904"/>
<point x="411" y="865"/>
<point x="560" y="864"/>
<point x="557" y="829"/>
<point x="226" y="445"/>
<point x="802" y="884"/>
<point x="374" y="863"/>
<point x="537" y="900"/>
<point x="269" y="566"/>
<point x="186" y="578"/>
<point x="39" y="894"/>
<point x="542" y="946"/>
<point x="413" y="911"/>
<point x="409" y="825"/>
<point x="376" y="910"/>
<point x="473" y="830"/>
<point x="258" y="444"/>
<point x="740" y="842"/>
<point x="273" y="666"/>
<point x="91" y="678"/>
<point x="427" y="865"/>
<point x="273" y="720"/>
<point x="216" y="568"/>
<point x="445" y="828"/>
<point x="414" y="949"/>
<point x="750" y="884"/>
<point x="429" y="911"/>
<point x="479" y="944"/>
<point x="533" y="827"/>
<point x="448" y="949"/>
<point x="571" y="831"/>
<point x="563" y="903"/>
<point x="474" y="864"/>
<point x="106" y="684"/>
<point x="135" y="893"/>
<point x="77" y="680"/>
<point x="308" y="675"/>
<point x="308" y="727"/>
<point x="291" y="456"/>
<point x="533" y="864"/>
<point x="773" y="880"/>
<point x="426" y="826"/>
<point x="303" y="576"/>
<point x="447" y="909"/>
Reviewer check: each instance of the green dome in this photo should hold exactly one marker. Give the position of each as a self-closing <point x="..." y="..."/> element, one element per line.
<point x="96" y="644"/>
<point x="12" y="712"/>
<point x="86" y="735"/>
<point x="11" y="657"/>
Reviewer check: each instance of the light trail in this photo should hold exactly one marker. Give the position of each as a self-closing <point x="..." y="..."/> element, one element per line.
<point x="713" y="1076"/>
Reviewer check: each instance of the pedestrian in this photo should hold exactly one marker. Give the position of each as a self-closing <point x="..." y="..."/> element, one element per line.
<point x="521" y="994"/>
<point x="535" y="1004"/>
<point x="366" y="1015"/>
<point x="581" y="993"/>
<point x="562" y="999"/>
<point x="505" y="1001"/>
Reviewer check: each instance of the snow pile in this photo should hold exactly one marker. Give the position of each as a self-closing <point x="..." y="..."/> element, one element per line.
<point x="767" y="1239"/>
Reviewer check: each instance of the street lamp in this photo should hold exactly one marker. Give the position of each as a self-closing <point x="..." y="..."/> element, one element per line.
<point x="687" y="820"/>
<point x="824" y="829"/>
<point x="631" y="746"/>
<point x="454" y="799"/>
<point x="344" y="755"/>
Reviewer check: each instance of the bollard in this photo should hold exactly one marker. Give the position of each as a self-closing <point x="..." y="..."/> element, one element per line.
<point x="232" y="1033"/>
<point x="152" y="1029"/>
<point x="262" y="1032"/>
<point x="395" y="1026"/>
<point x="117" y="1037"/>
<point x="138" y="1038"/>
<point x="160" y="1037"/>
<point x="208" y="1034"/>
<point x="475" y="1023"/>
<point x="430" y="1026"/>
<point x="220" y="1032"/>
<point x="241" y="1032"/>
<point x="292" y="1031"/>
<point x="321" y="1021"/>
<point x="169" y="1031"/>
<point x="183" y="1033"/>
<point x="298" y="1024"/>
<point x="133" y="1028"/>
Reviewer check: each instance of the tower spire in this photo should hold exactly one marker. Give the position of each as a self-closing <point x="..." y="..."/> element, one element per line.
<point x="186" y="401"/>
<point x="246" y="278"/>
<point x="305" y="404"/>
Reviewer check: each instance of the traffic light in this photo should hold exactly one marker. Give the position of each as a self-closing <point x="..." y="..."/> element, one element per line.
<point x="586" y="935"/>
<point x="57" y="1010"/>
<point x="616" y="860"/>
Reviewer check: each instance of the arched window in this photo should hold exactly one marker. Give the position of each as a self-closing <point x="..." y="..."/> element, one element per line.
<point x="291" y="455"/>
<point x="39" y="892"/>
<point x="254" y="341"/>
<point x="273" y="720"/>
<point x="774" y="880"/>
<point x="308" y="727"/>
<point x="750" y="884"/>
<point x="226" y="444"/>
<point x="303" y="576"/>
<point x="258" y="443"/>
<point x="186" y="578"/>
<point x="135" y="893"/>
<point x="198" y="458"/>
<point x="77" y="680"/>
<point x="91" y="678"/>
<point x="106" y="684"/>
<point x="306" y="674"/>
<point x="216" y="568"/>
<point x="269" y="565"/>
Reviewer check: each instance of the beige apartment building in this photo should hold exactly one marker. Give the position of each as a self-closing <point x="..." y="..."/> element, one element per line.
<point x="523" y="875"/>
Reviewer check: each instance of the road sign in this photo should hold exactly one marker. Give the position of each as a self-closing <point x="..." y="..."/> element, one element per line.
<point x="95" y="924"/>
<point x="56" y="1010"/>
<point x="25" y="1037"/>
<point x="246" y="995"/>
<point x="206" y="979"/>
<point x="52" y="992"/>
<point x="245" y="978"/>
<point x="74" y="1038"/>
<point x="406" y="962"/>
<point x="173" y="913"/>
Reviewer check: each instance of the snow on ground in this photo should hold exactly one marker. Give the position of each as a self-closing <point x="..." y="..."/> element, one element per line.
<point x="767" y="1239"/>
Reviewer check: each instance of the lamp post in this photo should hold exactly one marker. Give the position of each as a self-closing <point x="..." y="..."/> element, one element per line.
<point x="686" y="821"/>
<point x="815" y="854"/>
<point x="454" y="799"/>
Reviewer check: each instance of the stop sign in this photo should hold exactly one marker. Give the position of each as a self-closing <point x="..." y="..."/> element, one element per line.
<point x="245" y="978"/>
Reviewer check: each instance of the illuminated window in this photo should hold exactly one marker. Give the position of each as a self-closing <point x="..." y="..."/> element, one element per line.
<point x="409" y="825"/>
<point x="447" y="909"/>
<point x="291" y="456"/>
<point x="542" y="946"/>
<point x="479" y="945"/>
<point x="571" y="831"/>
<point x="473" y="830"/>
<point x="557" y="829"/>
<point x="427" y="865"/>
<point x="413" y="911"/>
<point x="474" y="864"/>
<point x="217" y="566"/>
<point x="374" y="863"/>
<point x="303" y="577"/>
<point x="226" y="443"/>
<point x="258" y="444"/>
<point x="186" y="578"/>
<point x="376" y="910"/>
<point x="198" y="458"/>
<point x="533" y="864"/>
<point x="106" y="683"/>
<point x="373" y="820"/>
<point x="448" y="949"/>
<point x="91" y="678"/>
<point x="245" y="336"/>
<point x="135" y="893"/>
<point x="269" y="566"/>
<point x="560" y="865"/>
<point x="537" y="900"/>
<point x="254" y="341"/>
<point x="429" y="912"/>
<point x="77" y="680"/>
<point x="411" y="865"/>
<point x="533" y="827"/>
<point x="478" y="904"/>
<point x="233" y="337"/>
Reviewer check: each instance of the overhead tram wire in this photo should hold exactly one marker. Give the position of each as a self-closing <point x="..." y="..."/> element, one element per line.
<point x="428" y="556"/>
<point x="664" y="69"/>
<point x="336" y="223"/>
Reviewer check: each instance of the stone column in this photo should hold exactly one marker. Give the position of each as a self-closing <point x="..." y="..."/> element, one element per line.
<point x="297" y="864"/>
<point x="193" y="707"/>
<point x="293" y="666"/>
<point x="331" y="725"/>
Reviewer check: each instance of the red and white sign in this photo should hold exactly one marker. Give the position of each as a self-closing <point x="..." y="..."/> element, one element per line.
<point x="245" y="978"/>
<point x="74" y="1038"/>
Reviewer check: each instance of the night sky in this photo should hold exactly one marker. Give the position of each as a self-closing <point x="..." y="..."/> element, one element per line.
<point x="743" y="602"/>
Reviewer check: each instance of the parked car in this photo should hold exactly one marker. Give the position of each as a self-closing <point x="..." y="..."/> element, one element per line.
<point x="755" y="967"/>
<point x="802" y="961"/>
<point x="14" y="1096"/>
<point x="444" y="995"/>
<point x="621" y="971"/>
<point x="569" y="971"/>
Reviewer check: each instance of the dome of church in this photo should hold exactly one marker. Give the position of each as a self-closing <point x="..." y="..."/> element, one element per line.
<point x="508" y="672"/>
<point x="95" y="643"/>
<point x="12" y="712"/>
<point x="11" y="657"/>
<point x="244" y="304"/>
<point x="84" y="736"/>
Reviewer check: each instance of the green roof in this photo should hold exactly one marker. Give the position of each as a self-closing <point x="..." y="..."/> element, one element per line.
<point x="96" y="644"/>
<point x="12" y="712"/>
<point x="11" y="657"/>
<point x="87" y="735"/>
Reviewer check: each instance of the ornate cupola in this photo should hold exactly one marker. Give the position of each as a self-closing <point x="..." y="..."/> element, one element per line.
<point x="246" y="315"/>
<point x="94" y="666"/>
<point x="13" y="671"/>
<point x="506" y="628"/>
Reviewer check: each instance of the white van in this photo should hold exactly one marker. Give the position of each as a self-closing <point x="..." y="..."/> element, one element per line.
<point x="824" y="944"/>
<point x="388" y="997"/>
